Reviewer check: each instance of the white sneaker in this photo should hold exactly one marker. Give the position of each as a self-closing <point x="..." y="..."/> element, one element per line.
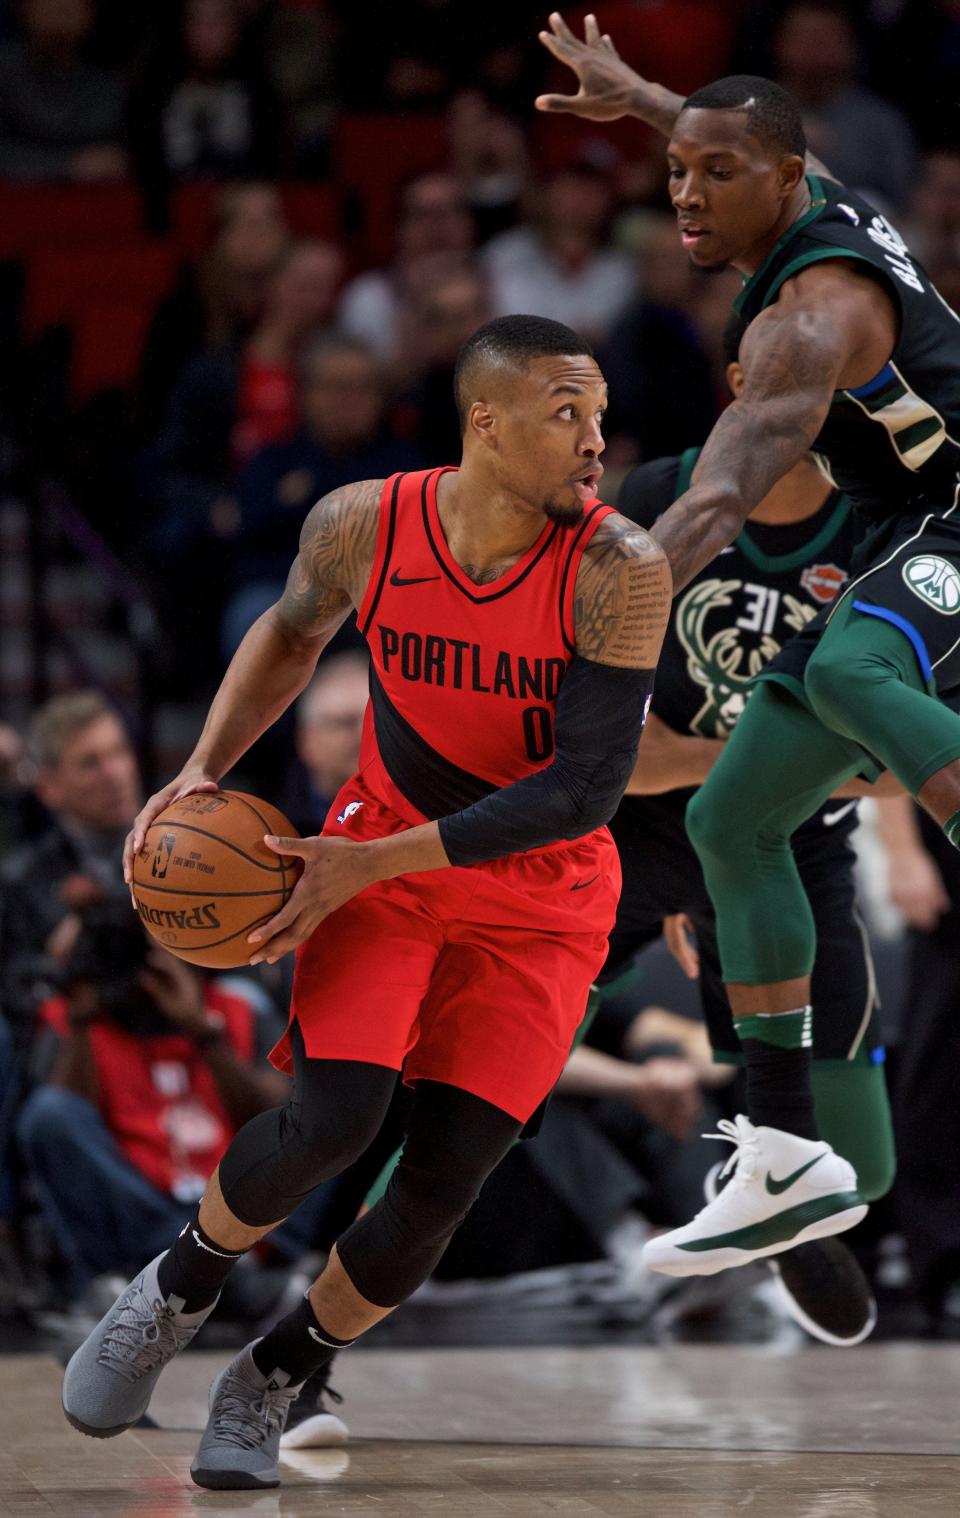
<point x="783" y="1191"/>
<point x="819" y="1284"/>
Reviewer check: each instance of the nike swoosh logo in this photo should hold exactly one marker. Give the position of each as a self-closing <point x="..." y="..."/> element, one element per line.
<point x="731" y="549"/>
<point x="775" y="1187"/>
<point x="581" y="885"/>
<point x="396" y="579"/>
<point x="830" y="819"/>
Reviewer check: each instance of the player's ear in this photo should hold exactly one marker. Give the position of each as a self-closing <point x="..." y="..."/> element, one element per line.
<point x="735" y="378"/>
<point x="482" y="423"/>
<point x="792" y="170"/>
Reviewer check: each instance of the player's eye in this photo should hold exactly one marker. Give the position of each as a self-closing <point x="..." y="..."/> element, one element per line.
<point x="567" y="412"/>
<point x="720" y="174"/>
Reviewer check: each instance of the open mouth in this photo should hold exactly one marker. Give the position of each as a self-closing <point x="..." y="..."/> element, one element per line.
<point x="586" y="485"/>
<point x="691" y="235"/>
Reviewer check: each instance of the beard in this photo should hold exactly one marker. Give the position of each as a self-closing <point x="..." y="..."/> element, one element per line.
<point x="567" y="516"/>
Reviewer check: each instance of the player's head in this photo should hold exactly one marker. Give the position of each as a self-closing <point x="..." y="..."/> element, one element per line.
<point x="531" y="400"/>
<point x="735" y="157"/>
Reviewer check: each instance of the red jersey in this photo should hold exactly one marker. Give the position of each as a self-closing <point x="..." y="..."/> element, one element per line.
<point x="464" y="677"/>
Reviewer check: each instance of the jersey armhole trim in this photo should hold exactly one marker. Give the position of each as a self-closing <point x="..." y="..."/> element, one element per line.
<point x="818" y="201"/>
<point x="386" y="531"/>
<point x="815" y="256"/>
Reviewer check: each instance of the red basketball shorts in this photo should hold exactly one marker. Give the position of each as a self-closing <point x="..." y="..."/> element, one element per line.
<point x="476" y="977"/>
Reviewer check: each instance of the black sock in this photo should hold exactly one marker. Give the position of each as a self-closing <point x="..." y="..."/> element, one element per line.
<point x="196" y="1267"/>
<point x="297" y="1345"/>
<point x="779" y="1089"/>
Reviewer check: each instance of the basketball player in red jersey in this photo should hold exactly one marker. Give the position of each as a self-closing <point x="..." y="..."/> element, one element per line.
<point x="455" y="909"/>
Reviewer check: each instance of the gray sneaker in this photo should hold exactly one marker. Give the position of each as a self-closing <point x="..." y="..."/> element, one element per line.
<point x="241" y="1441"/>
<point x="109" y="1381"/>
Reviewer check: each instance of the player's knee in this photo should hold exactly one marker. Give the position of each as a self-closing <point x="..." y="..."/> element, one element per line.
<point x="709" y="829"/>
<point x="318" y="1142"/>
<point x="426" y="1204"/>
<point x="49" y="1118"/>
<point x="829" y="683"/>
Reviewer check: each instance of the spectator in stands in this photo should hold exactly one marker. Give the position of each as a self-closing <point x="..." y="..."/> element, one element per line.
<point x="932" y="228"/>
<point x="229" y="402"/>
<point x="863" y="139"/>
<point x="218" y="302"/>
<point x="559" y="264"/>
<point x="156" y="1065"/>
<point x="434" y="232"/>
<point x="343" y="436"/>
<point x="923" y="879"/>
<point x="488" y="154"/>
<point x="204" y="108"/>
<point x="661" y="384"/>
<point x="60" y="116"/>
<point x="87" y="778"/>
<point x="329" y="719"/>
<point x="435" y="323"/>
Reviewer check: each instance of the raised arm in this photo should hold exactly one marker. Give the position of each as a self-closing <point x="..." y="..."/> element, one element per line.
<point x="610" y="88"/>
<point x="279" y="653"/>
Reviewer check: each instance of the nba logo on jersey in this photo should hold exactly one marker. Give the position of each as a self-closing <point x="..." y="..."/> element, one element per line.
<point x="348" y="811"/>
<point x="935" y="581"/>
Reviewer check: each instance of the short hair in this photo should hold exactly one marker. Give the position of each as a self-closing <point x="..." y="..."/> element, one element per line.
<point x="773" y="116"/>
<point x="59" y="721"/>
<point x="732" y="338"/>
<point x="511" y="341"/>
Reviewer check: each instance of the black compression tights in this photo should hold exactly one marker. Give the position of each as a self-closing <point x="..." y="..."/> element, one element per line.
<point x="335" y="1111"/>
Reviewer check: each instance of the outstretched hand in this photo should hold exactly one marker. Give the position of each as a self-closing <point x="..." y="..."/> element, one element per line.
<point x="334" y="870"/>
<point x="608" y="86"/>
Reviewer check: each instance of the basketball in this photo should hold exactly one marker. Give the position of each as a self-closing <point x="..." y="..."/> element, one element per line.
<point x="204" y="877"/>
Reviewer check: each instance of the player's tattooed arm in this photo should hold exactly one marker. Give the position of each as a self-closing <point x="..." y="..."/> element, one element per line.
<point x="792" y="359"/>
<point x="622" y="599"/>
<point x="331" y="570"/>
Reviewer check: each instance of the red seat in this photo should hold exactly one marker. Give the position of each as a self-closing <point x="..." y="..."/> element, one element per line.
<point x="192" y="216"/>
<point x="107" y="348"/>
<point x="63" y="215"/>
<point x="313" y="210"/>
<point x="63" y="282"/>
<point x="373" y="156"/>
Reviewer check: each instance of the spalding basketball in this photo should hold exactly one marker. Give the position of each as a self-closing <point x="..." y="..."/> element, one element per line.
<point x="204" y="877"/>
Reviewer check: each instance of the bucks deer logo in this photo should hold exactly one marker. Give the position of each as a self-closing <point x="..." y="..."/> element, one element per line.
<point x="721" y="661"/>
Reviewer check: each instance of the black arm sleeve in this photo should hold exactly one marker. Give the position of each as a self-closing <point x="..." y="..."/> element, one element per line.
<point x="600" y="715"/>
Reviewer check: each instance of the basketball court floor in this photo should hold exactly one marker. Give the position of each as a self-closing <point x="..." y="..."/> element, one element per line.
<point x="681" y="1431"/>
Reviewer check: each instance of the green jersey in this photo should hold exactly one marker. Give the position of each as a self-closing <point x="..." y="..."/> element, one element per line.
<point x="889" y="444"/>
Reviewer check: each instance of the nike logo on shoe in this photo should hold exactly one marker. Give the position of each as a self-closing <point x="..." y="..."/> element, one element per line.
<point x="776" y="1187"/>
<point x="581" y="885"/>
<point x="830" y="819"/>
<point x="397" y="579"/>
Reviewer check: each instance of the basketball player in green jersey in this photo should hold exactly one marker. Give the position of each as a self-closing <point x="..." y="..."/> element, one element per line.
<point x="849" y="350"/>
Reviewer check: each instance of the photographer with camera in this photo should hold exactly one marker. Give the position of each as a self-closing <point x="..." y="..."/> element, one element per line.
<point x="156" y="1066"/>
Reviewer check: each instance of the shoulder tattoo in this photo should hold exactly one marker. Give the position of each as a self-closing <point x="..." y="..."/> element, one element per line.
<point x="623" y="595"/>
<point x="331" y="570"/>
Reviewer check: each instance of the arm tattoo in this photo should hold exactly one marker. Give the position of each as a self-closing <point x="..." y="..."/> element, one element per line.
<point x="330" y="573"/>
<point x="791" y="361"/>
<point x="622" y="599"/>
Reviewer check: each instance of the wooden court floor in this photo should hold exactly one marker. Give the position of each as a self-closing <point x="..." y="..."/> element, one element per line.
<point x="672" y="1432"/>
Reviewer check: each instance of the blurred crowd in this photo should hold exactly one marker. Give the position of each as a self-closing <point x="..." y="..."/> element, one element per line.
<point x="241" y="242"/>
